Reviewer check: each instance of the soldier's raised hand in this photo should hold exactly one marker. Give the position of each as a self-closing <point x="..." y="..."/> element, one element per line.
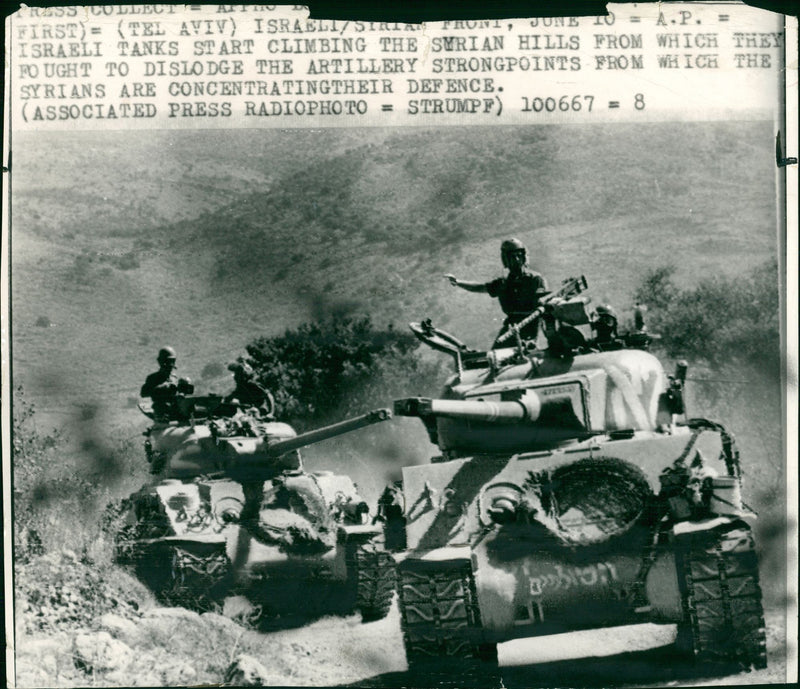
<point x="452" y="279"/>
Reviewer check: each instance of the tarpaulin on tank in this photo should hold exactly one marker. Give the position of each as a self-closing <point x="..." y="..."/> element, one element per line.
<point x="605" y="391"/>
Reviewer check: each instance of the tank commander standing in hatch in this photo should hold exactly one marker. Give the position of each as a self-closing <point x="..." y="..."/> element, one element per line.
<point x="248" y="393"/>
<point x="162" y="386"/>
<point x="519" y="292"/>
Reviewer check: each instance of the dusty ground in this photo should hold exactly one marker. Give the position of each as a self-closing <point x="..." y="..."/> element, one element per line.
<point x="372" y="655"/>
<point x="175" y="647"/>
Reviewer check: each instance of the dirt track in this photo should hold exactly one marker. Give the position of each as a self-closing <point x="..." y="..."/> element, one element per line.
<point x="344" y="652"/>
<point x="157" y="646"/>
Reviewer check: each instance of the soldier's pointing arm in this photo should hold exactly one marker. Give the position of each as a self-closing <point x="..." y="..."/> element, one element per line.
<point x="467" y="285"/>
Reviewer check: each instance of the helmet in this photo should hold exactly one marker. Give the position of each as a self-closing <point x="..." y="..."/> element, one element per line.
<point x="242" y="369"/>
<point x="607" y="311"/>
<point x="605" y="324"/>
<point x="166" y="354"/>
<point x="512" y="246"/>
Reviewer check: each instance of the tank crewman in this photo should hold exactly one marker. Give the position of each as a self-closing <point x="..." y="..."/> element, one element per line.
<point x="519" y="291"/>
<point x="248" y="392"/>
<point x="162" y="386"/>
<point x="604" y="325"/>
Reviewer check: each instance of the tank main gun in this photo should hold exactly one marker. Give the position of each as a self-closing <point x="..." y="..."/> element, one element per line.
<point x="276" y="449"/>
<point x="280" y="447"/>
<point x="516" y="411"/>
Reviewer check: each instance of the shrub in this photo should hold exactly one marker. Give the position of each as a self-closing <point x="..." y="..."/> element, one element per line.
<point x="339" y="366"/>
<point x="720" y="320"/>
<point x="60" y="486"/>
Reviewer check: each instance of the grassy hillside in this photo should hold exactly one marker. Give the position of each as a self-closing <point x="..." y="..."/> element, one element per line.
<point x="205" y="240"/>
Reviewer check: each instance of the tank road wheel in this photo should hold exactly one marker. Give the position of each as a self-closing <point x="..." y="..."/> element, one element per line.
<point x="190" y="580"/>
<point x="441" y="623"/>
<point x="375" y="584"/>
<point x="723" y="614"/>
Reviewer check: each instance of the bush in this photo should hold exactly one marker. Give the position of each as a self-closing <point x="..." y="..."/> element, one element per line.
<point x="339" y="366"/>
<point x="721" y="320"/>
<point x="60" y="487"/>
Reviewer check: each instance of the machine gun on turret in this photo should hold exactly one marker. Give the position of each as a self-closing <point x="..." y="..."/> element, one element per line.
<point x="571" y="287"/>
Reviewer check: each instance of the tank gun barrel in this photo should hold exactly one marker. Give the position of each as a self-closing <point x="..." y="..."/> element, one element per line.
<point x="515" y="411"/>
<point x="326" y="432"/>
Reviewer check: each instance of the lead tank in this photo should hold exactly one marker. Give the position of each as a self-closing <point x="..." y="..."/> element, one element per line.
<point x="232" y="511"/>
<point x="570" y="492"/>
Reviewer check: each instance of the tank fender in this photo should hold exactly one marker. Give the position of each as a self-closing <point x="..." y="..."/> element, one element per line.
<point x="360" y="532"/>
<point x="438" y="555"/>
<point x="710" y="524"/>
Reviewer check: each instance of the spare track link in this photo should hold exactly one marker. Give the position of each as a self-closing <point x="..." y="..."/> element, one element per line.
<point x="441" y="617"/>
<point x="194" y="580"/>
<point x="376" y="579"/>
<point x="723" y="613"/>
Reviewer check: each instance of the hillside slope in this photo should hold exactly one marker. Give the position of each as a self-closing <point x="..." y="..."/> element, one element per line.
<point x="208" y="239"/>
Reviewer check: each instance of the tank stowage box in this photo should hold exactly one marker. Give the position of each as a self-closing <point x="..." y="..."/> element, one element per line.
<point x="231" y="510"/>
<point x="571" y="493"/>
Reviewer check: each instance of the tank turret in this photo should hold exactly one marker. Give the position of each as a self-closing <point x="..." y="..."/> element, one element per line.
<point x="545" y="401"/>
<point x="219" y="437"/>
<point x="571" y="491"/>
<point x="247" y="458"/>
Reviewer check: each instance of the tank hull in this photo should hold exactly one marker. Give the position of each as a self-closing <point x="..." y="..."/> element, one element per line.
<point x="193" y="544"/>
<point x="585" y="570"/>
<point x="446" y="501"/>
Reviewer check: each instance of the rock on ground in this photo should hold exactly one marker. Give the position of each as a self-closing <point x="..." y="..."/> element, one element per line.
<point x="246" y="671"/>
<point x="99" y="651"/>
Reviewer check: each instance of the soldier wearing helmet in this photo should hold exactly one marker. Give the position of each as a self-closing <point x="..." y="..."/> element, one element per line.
<point x="604" y="324"/>
<point x="519" y="292"/>
<point x="248" y="393"/>
<point x="162" y="386"/>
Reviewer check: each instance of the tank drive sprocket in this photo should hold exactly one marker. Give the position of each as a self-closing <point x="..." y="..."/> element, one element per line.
<point x="721" y="596"/>
<point x="441" y="621"/>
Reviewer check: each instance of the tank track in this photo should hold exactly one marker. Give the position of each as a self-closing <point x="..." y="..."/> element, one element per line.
<point x="723" y="613"/>
<point x="376" y="579"/>
<point x="185" y="579"/>
<point x="441" y="621"/>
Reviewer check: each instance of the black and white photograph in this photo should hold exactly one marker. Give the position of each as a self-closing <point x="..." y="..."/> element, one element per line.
<point x="355" y="354"/>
